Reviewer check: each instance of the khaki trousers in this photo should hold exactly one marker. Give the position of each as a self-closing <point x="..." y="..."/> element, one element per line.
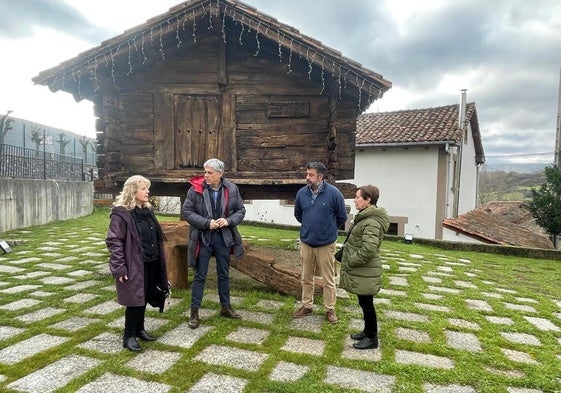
<point x="318" y="261"/>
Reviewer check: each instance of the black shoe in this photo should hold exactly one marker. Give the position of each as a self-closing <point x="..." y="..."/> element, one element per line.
<point x="227" y="312"/>
<point x="358" y="336"/>
<point x="131" y="344"/>
<point x="194" y="319"/>
<point x="366" y="343"/>
<point x="144" y="336"/>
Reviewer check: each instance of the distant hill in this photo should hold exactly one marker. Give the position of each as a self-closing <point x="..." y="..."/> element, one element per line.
<point x="520" y="168"/>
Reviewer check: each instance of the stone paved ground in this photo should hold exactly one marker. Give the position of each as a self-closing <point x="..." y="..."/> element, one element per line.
<point x="65" y="350"/>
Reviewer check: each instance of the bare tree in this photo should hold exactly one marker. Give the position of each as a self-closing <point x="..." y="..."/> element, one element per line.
<point x="5" y="126"/>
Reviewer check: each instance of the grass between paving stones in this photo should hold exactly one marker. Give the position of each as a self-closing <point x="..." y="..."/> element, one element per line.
<point x="516" y="280"/>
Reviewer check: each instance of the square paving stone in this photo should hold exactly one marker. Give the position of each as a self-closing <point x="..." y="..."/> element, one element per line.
<point x="154" y="361"/>
<point x="81" y="285"/>
<point x="423" y="359"/>
<point x="543" y="324"/>
<point x="79" y="273"/>
<point x="80" y="298"/>
<point x="492" y="295"/>
<point x="520" y="307"/>
<point x="518" y="356"/>
<point x="214" y="383"/>
<point x="429" y="388"/>
<point x="184" y="337"/>
<point x="310" y="323"/>
<point x="11" y="269"/>
<point x="521" y="338"/>
<point x="55" y="376"/>
<point x="39" y="315"/>
<point x="452" y="291"/>
<point x="20" y="304"/>
<point x="27" y="348"/>
<point x="288" y="372"/>
<point x="304" y="345"/>
<point x="478" y="305"/>
<point x="255" y="316"/>
<point x="104" y="343"/>
<point x="111" y="383"/>
<point x="432" y="307"/>
<point x="104" y="308"/>
<point x="405" y="316"/>
<point x="74" y="324"/>
<point x="233" y="357"/>
<point x="418" y="336"/>
<point x="41" y="294"/>
<point x="9" y="331"/>
<point x="463" y="341"/>
<point x="248" y="335"/>
<point x="365" y="381"/>
<point x="462" y="323"/>
<point x="56" y="280"/>
<point x="53" y="266"/>
<point x="499" y="320"/>
<point x="20" y="288"/>
<point x="271" y="305"/>
<point x="31" y="275"/>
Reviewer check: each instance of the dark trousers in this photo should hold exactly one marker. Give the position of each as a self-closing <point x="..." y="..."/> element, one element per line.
<point x="222" y="254"/>
<point x="366" y="302"/>
<point x="134" y="320"/>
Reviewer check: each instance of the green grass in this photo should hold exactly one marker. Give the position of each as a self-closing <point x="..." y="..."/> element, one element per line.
<point x="533" y="279"/>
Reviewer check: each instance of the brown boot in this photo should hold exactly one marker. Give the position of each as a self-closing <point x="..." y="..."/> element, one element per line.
<point x="194" y="320"/>
<point x="227" y="312"/>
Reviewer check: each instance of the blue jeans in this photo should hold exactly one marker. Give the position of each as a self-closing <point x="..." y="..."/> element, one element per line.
<point x="222" y="254"/>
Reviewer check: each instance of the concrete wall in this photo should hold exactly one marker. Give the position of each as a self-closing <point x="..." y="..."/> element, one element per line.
<point x="25" y="203"/>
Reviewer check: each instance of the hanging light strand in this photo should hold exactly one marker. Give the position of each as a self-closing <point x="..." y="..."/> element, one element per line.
<point x="246" y="21"/>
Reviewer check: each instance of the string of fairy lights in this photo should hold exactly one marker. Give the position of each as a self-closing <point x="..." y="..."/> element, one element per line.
<point x="154" y="36"/>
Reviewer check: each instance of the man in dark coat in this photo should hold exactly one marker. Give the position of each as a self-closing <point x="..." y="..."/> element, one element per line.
<point x="213" y="208"/>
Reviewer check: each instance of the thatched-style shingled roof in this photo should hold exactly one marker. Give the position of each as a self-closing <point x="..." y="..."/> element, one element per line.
<point x="160" y="36"/>
<point x="432" y="126"/>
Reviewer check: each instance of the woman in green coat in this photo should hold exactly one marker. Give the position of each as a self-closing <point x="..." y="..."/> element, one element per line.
<point x="361" y="265"/>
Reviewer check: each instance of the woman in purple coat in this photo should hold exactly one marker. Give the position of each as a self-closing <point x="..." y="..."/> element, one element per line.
<point x="137" y="259"/>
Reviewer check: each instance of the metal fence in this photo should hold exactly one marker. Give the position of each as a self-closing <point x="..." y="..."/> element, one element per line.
<point x="23" y="163"/>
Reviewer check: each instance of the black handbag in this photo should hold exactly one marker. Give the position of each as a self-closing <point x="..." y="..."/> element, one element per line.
<point x="339" y="254"/>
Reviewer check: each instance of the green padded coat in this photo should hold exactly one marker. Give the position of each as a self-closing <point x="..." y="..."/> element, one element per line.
<point x="361" y="265"/>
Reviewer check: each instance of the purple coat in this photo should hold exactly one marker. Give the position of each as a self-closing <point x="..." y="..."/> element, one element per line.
<point x="123" y="242"/>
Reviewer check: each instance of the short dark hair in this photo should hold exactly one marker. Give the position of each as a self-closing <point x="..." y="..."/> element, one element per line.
<point x="320" y="167"/>
<point x="370" y="191"/>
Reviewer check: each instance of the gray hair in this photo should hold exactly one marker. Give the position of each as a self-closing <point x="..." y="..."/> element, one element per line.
<point x="320" y="167"/>
<point x="215" y="164"/>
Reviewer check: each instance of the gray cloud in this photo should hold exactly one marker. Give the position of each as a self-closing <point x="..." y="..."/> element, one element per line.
<point x="512" y="46"/>
<point x="18" y="17"/>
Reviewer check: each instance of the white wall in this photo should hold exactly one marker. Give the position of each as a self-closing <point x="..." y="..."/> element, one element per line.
<point x="407" y="181"/>
<point x="270" y="211"/>
<point x="468" y="186"/>
<point x="453" y="236"/>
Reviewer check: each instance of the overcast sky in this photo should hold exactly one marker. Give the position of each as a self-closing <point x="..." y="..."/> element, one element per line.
<point x="506" y="53"/>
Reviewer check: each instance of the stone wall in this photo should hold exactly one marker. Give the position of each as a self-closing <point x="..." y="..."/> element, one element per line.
<point x="25" y="202"/>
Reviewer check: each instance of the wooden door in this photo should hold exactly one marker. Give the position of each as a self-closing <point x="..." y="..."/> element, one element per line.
<point x="197" y="129"/>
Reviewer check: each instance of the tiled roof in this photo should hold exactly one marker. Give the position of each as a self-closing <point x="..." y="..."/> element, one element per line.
<point x="506" y="223"/>
<point x="437" y="125"/>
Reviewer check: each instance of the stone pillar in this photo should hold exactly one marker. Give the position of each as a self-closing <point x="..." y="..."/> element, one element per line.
<point x="175" y="246"/>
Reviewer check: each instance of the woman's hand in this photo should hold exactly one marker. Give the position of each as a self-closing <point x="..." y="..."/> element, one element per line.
<point x="123" y="278"/>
